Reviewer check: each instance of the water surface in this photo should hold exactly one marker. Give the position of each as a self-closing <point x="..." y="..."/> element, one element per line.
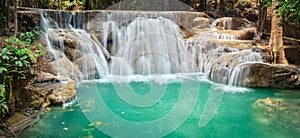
<point x="235" y="117"/>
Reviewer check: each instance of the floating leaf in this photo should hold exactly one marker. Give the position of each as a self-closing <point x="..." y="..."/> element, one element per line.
<point x="91" y="124"/>
<point x="48" y="109"/>
<point x="98" y="123"/>
<point x="85" y="111"/>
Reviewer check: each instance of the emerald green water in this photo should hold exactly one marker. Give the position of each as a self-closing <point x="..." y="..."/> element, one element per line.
<point x="235" y="117"/>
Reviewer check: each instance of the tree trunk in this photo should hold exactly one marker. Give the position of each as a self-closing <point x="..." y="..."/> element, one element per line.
<point x="215" y="4"/>
<point x="202" y="5"/>
<point x="15" y="18"/>
<point x="262" y="15"/>
<point x="7" y="10"/>
<point x="222" y="7"/>
<point x="276" y="40"/>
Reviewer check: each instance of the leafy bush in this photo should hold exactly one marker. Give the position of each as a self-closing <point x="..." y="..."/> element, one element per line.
<point x="17" y="56"/>
<point x="65" y="4"/>
<point x="3" y="106"/>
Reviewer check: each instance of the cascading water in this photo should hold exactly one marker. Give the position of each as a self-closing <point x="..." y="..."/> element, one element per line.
<point x="218" y="62"/>
<point x="149" y="46"/>
<point x="143" y="43"/>
<point x="81" y="57"/>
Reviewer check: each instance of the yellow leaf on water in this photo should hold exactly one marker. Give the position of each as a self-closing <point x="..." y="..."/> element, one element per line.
<point x="66" y="129"/>
<point x="98" y="123"/>
<point x="48" y="109"/>
<point x="91" y="125"/>
<point x="86" y="111"/>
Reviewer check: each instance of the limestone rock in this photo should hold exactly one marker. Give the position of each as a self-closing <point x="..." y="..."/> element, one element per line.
<point x="65" y="36"/>
<point x="34" y="98"/>
<point x="269" y="111"/>
<point x="88" y="66"/>
<point x="51" y="88"/>
<point x="48" y="77"/>
<point x="72" y="54"/>
<point x="243" y="34"/>
<point x="201" y="23"/>
<point x="246" y="34"/>
<point x="62" y="92"/>
<point x="65" y="67"/>
<point x="52" y="55"/>
<point x="229" y="23"/>
<point x="273" y="76"/>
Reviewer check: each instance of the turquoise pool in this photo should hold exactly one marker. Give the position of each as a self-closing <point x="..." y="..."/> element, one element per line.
<point x="100" y="111"/>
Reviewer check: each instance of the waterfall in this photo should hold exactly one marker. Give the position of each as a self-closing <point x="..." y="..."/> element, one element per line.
<point x="241" y="72"/>
<point x="75" y="54"/>
<point x="219" y="62"/>
<point x="146" y="43"/>
<point x="149" y="46"/>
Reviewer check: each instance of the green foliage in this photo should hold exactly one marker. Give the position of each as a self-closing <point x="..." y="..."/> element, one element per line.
<point x="29" y="37"/>
<point x="17" y="57"/>
<point x="288" y="9"/>
<point x="65" y="4"/>
<point x="3" y="106"/>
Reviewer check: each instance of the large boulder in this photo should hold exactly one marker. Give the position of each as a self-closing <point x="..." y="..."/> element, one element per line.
<point x="53" y="54"/>
<point x="201" y="23"/>
<point x="72" y="54"/>
<point x="51" y="89"/>
<point x="65" y="67"/>
<point x="233" y="28"/>
<point x="89" y="65"/>
<point x="63" y="36"/>
<point x="229" y="23"/>
<point x="272" y="76"/>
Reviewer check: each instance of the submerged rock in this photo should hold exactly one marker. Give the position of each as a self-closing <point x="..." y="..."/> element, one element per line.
<point x="21" y="120"/>
<point x="268" y="103"/>
<point x="278" y="114"/>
